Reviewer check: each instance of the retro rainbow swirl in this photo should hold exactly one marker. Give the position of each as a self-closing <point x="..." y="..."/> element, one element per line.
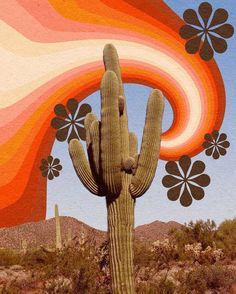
<point x="52" y="50"/>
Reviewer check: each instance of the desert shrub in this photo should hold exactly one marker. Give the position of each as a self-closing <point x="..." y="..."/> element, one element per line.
<point x="163" y="286"/>
<point x="103" y="255"/>
<point x="9" y="257"/>
<point x="204" y="278"/>
<point x="9" y="289"/>
<point x="198" y="232"/>
<point x="59" y="285"/>
<point x="143" y="255"/>
<point x="78" y="264"/>
<point x="165" y="252"/>
<point x="194" y="252"/>
<point x="37" y="258"/>
<point x="226" y="237"/>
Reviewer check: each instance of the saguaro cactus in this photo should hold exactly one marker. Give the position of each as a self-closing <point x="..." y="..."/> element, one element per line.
<point x="114" y="169"/>
<point x="58" y="228"/>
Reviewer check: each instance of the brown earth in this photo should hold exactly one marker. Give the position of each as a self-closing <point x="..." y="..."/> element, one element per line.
<point x="43" y="232"/>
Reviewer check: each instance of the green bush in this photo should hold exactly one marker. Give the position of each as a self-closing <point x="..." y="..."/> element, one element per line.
<point x="226" y="238"/>
<point x="204" y="278"/>
<point x="164" y="286"/>
<point x="198" y="232"/>
<point x="10" y="257"/>
<point x="143" y="256"/>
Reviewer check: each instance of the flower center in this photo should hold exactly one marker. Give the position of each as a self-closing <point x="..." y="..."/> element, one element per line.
<point x="185" y="179"/>
<point x="205" y="31"/>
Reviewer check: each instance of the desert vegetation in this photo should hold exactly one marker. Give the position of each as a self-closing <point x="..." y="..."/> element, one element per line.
<point x="196" y="258"/>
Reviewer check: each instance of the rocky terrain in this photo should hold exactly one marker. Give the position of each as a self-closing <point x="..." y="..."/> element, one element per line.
<point x="198" y="258"/>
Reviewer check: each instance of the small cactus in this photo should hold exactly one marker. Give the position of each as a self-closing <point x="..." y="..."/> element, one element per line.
<point x="58" y="228"/>
<point x="114" y="169"/>
<point x="24" y="246"/>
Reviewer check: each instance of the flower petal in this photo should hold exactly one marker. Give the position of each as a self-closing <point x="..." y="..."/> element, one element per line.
<point x="50" y="175"/>
<point x="208" y="137"/>
<point x="224" y="144"/>
<point x="84" y="109"/>
<point x="215" y="135"/>
<point x="50" y="159"/>
<point x="202" y="180"/>
<point x="190" y="16"/>
<point x="222" y="151"/>
<point x="56" y="173"/>
<point x="185" y="163"/>
<point x="73" y="134"/>
<point x="216" y="154"/>
<point x="225" y="31"/>
<point x="56" y="161"/>
<point x="172" y="168"/>
<point x="62" y="134"/>
<point x="82" y="132"/>
<point x="72" y="105"/>
<point x="222" y="137"/>
<point x="169" y="181"/>
<point x="60" y="110"/>
<point x="174" y="193"/>
<point x="218" y="44"/>
<point x="206" y="144"/>
<point x="43" y="167"/>
<point x="193" y="45"/>
<point x="57" y="167"/>
<point x="197" y="192"/>
<point x="45" y="173"/>
<point x="185" y="198"/>
<point x="220" y="16"/>
<point x="44" y="162"/>
<point x="209" y="151"/>
<point x="58" y="123"/>
<point x="187" y="32"/>
<point x="205" y="10"/>
<point x="206" y="51"/>
<point x="197" y="168"/>
<point x="81" y="122"/>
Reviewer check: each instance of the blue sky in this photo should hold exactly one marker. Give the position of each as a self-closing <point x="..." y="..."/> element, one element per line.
<point x="219" y="202"/>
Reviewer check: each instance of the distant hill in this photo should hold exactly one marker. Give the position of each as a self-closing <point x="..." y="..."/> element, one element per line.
<point x="43" y="232"/>
<point x="155" y="231"/>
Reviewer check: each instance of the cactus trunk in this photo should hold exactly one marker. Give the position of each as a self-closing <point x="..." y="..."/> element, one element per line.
<point x="115" y="169"/>
<point x="120" y="230"/>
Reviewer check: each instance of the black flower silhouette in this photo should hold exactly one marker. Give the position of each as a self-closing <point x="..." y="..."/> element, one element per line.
<point x="210" y="31"/>
<point x="215" y="144"/>
<point x="70" y="122"/>
<point x="185" y="182"/>
<point x="51" y="167"/>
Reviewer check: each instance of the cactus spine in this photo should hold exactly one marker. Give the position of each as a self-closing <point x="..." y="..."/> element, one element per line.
<point x="114" y="168"/>
<point x="58" y="228"/>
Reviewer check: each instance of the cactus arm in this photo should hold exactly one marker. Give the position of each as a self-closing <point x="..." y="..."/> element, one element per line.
<point x="133" y="144"/>
<point x="82" y="168"/>
<point x="89" y="118"/>
<point x="150" y="147"/>
<point x="92" y="157"/>
<point x="95" y="129"/>
<point x="133" y="151"/>
<point x="111" y="62"/>
<point x="110" y="134"/>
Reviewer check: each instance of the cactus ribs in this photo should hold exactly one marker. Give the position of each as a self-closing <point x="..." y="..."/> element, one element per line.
<point x="114" y="169"/>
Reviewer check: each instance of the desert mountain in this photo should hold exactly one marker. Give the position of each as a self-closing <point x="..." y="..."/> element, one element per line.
<point x="43" y="232"/>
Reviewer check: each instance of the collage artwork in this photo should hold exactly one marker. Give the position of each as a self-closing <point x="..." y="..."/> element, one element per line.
<point x="148" y="88"/>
